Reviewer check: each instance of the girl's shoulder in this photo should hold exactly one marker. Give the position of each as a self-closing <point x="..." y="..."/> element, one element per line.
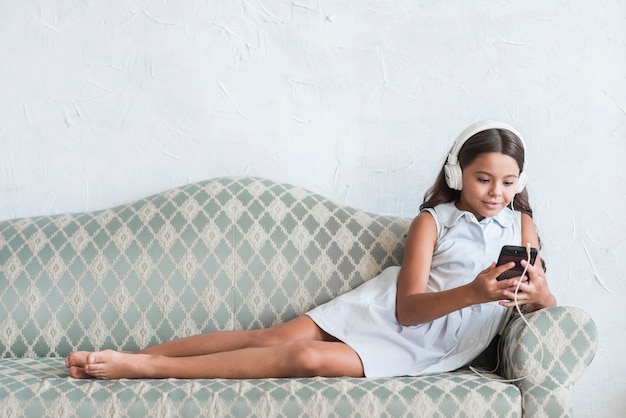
<point x="440" y="217"/>
<point x="423" y="231"/>
<point x="529" y="230"/>
<point x="444" y="214"/>
<point x="527" y="220"/>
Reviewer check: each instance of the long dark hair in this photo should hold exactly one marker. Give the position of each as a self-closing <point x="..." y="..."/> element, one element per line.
<point x="490" y="140"/>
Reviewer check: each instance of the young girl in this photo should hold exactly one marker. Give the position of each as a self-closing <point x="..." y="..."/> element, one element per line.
<point x="435" y="313"/>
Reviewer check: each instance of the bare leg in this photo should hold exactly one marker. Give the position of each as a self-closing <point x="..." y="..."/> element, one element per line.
<point x="301" y="328"/>
<point x="292" y="359"/>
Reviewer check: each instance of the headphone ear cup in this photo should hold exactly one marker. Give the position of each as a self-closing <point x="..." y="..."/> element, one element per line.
<point x="521" y="182"/>
<point x="454" y="176"/>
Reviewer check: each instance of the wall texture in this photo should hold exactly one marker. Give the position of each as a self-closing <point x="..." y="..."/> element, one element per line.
<point x="105" y="102"/>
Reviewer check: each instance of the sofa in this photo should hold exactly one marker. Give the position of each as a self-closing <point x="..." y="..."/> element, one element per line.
<point x="236" y="253"/>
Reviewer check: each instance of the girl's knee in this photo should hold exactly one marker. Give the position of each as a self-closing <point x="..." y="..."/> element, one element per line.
<point x="305" y="358"/>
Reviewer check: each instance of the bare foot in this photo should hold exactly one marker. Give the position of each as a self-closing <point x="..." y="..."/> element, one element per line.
<point x="109" y="364"/>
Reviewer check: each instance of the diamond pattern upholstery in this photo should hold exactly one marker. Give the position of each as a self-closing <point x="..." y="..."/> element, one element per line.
<point x="551" y="366"/>
<point x="229" y="253"/>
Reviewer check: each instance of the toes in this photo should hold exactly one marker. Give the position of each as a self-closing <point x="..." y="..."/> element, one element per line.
<point x="79" y="373"/>
<point x="97" y="363"/>
<point x="100" y="356"/>
<point x="77" y="358"/>
<point x="93" y="370"/>
<point x="87" y="365"/>
<point x="97" y="357"/>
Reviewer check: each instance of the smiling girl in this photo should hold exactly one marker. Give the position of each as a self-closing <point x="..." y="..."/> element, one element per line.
<point x="435" y="313"/>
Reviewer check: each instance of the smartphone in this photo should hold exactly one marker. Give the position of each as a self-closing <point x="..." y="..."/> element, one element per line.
<point x="515" y="253"/>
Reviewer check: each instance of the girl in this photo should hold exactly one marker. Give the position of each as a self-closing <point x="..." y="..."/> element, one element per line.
<point x="435" y="313"/>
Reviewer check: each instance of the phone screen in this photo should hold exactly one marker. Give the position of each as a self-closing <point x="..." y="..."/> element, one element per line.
<point x="517" y="254"/>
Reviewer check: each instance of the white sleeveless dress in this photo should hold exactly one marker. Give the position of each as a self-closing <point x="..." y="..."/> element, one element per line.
<point x="365" y="318"/>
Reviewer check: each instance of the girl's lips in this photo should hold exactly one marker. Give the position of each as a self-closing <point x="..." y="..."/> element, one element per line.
<point x="491" y="205"/>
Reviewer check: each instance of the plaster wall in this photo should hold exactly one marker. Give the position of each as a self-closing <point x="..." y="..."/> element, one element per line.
<point x="102" y="103"/>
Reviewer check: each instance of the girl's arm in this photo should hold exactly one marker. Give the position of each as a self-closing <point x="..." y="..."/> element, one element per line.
<point x="414" y="305"/>
<point x="534" y="292"/>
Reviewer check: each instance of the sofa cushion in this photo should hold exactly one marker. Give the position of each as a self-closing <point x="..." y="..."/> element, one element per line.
<point x="40" y="387"/>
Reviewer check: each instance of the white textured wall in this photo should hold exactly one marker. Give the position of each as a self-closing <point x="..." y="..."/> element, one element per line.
<point x="105" y="102"/>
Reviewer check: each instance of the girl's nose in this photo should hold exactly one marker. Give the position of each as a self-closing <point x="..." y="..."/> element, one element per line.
<point x="496" y="191"/>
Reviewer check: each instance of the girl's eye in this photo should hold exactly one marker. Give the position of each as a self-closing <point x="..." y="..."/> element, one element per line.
<point x="483" y="180"/>
<point x="508" y="183"/>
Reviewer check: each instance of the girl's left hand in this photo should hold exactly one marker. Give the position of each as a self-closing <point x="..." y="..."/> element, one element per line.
<point x="533" y="291"/>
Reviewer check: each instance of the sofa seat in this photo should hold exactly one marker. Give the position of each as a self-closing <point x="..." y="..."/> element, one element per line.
<point x="39" y="387"/>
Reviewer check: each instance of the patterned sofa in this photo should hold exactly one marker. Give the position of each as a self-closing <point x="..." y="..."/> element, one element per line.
<point x="233" y="253"/>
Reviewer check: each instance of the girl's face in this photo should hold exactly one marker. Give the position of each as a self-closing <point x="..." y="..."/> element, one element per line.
<point x="489" y="184"/>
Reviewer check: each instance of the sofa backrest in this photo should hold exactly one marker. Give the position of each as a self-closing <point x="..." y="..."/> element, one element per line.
<point x="228" y="253"/>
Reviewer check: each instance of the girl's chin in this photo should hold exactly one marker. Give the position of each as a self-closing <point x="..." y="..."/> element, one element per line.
<point x="488" y="211"/>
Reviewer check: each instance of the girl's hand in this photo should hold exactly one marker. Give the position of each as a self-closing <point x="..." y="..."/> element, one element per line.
<point x="533" y="291"/>
<point x="487" y="288"/>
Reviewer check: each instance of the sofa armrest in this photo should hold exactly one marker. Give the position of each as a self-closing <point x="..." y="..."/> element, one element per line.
<point x="569" y="340"/>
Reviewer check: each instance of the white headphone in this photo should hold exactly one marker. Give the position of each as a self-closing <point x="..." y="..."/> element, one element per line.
<point x="452" y="169"/>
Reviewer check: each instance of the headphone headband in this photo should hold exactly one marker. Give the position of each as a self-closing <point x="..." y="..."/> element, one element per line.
<point x="452" y="168"/>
